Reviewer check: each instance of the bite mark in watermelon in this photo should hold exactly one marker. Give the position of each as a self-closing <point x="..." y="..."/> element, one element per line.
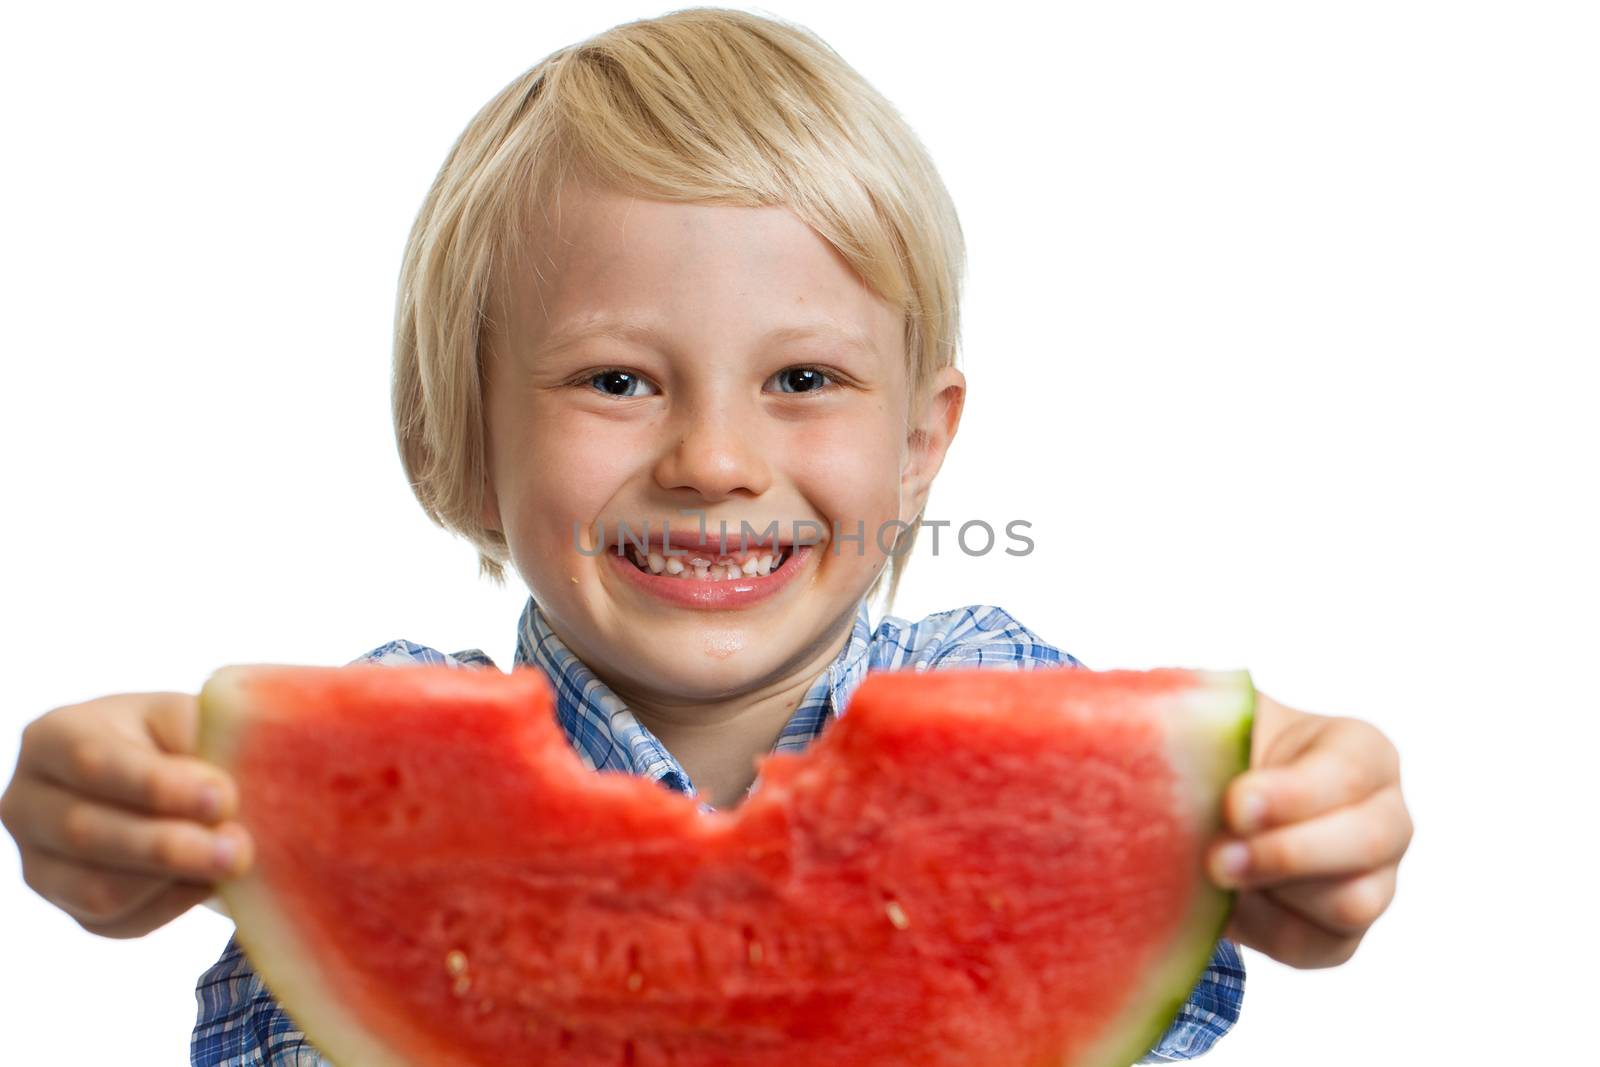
<point x="970" y="868"/>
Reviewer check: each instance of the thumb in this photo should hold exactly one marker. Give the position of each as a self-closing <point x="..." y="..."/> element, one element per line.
<point x="176" y="899"/>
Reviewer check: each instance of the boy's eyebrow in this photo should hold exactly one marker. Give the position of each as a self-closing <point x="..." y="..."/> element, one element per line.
<point x="643" y="333"/>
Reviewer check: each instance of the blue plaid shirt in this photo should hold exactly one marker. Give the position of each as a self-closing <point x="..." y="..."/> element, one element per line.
<point x="241" y="1025"/>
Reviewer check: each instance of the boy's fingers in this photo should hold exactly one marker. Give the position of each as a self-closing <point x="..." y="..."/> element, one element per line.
<point x="1341" y="906"/>
<point x="75" y="828"/>
<point x="1266" y="926"/>
<point x="123" y="772"/>
<point x="92" y="895"/>
<point x="1351" y="840"/>
<point x="1348" y="761"/>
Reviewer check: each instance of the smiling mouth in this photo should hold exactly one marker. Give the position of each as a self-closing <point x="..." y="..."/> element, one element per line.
<point x="702" y="566"/>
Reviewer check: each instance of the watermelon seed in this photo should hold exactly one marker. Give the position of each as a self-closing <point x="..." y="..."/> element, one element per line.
<point x="462" y="985"/>
<point x="752" y="947"/>
<point x="456" y="961"/>
<point x="897" y="915"/>
<point x="635" y="982"/>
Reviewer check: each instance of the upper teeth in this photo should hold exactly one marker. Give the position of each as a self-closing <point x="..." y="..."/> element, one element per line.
<point x="692" y="564"/>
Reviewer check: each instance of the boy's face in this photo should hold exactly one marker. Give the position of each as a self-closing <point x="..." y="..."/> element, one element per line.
<point x="711" y="411"/>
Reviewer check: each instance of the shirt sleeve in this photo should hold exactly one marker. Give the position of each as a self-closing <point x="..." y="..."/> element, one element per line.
<point x="981" y="635"/>
<point x="1212" y="1008"/>
<point x="987" y="636"/>
<point x="239" y="1023"/>
<point x="403" y="653"/>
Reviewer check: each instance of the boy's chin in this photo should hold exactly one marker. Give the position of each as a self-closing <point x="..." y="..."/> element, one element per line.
<point x="711" y="666"/>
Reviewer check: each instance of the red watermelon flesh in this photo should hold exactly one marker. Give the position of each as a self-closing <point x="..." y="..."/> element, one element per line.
<point x="970" y="868"/>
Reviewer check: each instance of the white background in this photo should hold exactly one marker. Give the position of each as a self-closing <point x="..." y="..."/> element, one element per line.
<point x="1282" y="331"/>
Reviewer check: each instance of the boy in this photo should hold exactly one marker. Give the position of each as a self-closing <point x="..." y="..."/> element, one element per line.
<point x="691" y="270"/>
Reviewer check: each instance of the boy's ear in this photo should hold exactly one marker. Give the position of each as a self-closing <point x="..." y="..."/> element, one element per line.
<point x="928" y="435"/>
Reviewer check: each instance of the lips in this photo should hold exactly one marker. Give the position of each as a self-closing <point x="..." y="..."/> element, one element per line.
<point x="709" y="565"/>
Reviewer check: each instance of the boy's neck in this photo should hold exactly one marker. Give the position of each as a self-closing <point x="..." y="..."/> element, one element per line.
<point x="717" y="743"/>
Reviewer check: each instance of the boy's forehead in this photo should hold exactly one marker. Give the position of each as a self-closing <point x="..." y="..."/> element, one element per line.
<point x="644" y="330"/>
<point x="602" y="263"/>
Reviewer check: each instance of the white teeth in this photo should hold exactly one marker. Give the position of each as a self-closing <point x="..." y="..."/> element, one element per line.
<point x="700" y="567"/>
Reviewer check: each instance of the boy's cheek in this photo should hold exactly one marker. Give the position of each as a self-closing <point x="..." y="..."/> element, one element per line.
<point x="547" y="534"/>
<point x="852" y="473"/>
<point x="578" y="461"/>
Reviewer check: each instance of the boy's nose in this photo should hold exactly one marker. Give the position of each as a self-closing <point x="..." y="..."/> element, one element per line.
<point x="716" y="456"/>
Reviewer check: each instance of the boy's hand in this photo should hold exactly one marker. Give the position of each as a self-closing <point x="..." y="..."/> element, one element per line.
<point x="1316" y="829"/>
<point x="119" y="824"/>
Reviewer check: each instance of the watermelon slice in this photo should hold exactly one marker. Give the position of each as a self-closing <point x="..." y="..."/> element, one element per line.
<point x="971" y="868"/>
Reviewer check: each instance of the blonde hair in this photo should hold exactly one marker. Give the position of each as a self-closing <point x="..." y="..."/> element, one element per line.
<point x="698" y="105"/>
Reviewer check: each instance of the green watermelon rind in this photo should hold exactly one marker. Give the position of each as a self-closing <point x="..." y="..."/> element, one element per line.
<point x="273" y="946"/>
<point x="1216" y="748"/>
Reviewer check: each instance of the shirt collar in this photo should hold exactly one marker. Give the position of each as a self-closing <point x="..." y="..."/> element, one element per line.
<point x="607" y="736"/>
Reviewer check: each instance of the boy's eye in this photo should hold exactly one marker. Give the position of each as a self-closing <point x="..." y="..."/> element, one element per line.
<point x="621" y="383"/>
<point x="800" y="380"/>
<point x="627" y="384"/>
